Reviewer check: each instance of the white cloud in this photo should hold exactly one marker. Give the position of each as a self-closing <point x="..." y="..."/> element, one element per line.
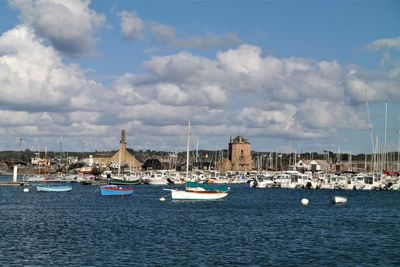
<point x="386" y="43"/>
<point x="245" y="60"/>
<point x="131" y="25"/>
<point x="162" y="33"/>
<point x="127" y="92"/>
<point x="171" y="94"/>
<point x="40" y="95"/>
<point x="238" y="91"/>
<point x="379" y="88"/>
<point x="262" y="96"/>
<point x="318" y="114"/>
<point x="69" y="25"/>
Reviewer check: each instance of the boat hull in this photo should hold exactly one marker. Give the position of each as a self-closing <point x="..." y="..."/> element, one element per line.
<point x="113" y="190"/>
<point x="193" y="186"/>
<point x="53" y="188"/>
<point x="125" y="182"/>
<point x="156" y="181"/>
<point x="199" y="195"/>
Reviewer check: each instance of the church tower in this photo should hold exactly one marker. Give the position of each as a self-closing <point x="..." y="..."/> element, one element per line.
<point x="122" y="142"/>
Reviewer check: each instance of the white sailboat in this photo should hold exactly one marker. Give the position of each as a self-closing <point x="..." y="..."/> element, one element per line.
<point x="196" y="191"/>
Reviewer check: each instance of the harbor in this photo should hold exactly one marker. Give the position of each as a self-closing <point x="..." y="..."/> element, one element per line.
<point x="232" y="213"/>
<point x="239" y="165"/>
<point x="249" y="227"/>
<point x="199" y="133"/>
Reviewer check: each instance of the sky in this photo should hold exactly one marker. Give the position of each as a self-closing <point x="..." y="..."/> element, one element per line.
<point x="290" y="76"/>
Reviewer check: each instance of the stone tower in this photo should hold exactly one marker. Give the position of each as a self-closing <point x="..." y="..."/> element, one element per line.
<point x="240" y="154"/>
<point x="122" y="142"/>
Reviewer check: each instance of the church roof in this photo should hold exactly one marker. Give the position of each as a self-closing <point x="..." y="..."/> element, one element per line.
<point x="136" y="155"/>
<point x="111" y="153"/>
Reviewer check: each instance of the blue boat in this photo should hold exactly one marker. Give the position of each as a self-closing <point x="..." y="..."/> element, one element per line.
<point x="115" y="190"/>
<point x="53" y="188"/>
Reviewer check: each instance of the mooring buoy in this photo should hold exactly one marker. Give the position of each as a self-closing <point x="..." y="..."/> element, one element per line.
<point x="304" y="201"/>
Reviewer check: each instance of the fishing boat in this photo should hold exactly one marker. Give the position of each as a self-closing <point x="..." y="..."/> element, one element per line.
<point x="115" y="190"/>
<point x="197" y="191"/>
<point x="53" y="188"/>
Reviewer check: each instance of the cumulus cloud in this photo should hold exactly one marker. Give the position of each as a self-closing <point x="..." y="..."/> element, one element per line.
<point x="260" y="95"/>
<point x="238" y="90"/>
<point x="41" y="96"/>
<point x="69" y="25"/>
<point x="34" y="71"/>
<point x="319" y="114"/>
<point x="133" y="27"/>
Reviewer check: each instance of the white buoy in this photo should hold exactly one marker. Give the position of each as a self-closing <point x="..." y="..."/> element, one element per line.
<point x="304" y="201"/>
<point x="26" y="189"/>
<point x="162" y="198"/>
<point x="338" y="200"/>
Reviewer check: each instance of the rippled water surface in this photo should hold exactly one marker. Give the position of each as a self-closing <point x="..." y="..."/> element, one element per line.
<point x="251" y="227"/>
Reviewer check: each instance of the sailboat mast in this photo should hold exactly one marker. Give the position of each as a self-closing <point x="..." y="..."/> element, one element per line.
<point x="187" y="151"/>
<point x="385" y="146"/>
<point x="61" y="153"/>
<point x="83" y="147"/>
<point x="398" y="153"/>
<point x="19" y="151"/>
<point x="197" y="150"/>
<point x="369" y="122"/>
<point x="119" y="162"/>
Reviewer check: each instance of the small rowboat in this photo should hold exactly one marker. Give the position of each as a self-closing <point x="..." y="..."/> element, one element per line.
<point x="53" y="188"/>
<point x="114" y="190"/>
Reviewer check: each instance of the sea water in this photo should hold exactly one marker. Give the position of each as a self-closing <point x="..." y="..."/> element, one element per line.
<point x="250" y="227"/>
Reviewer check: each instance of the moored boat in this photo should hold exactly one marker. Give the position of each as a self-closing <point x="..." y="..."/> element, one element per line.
<point x="338" y="200"/>
<point x="115" y="190"/>
<point x="117" y="181"/>
<point x="198" y="191"/>
<point x="53" y="188"/>
<point x="196" y="195"/>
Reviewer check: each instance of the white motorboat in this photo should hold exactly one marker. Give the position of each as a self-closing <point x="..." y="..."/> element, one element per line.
<point x="196" y="195"/>
<point x="157" y="178"/>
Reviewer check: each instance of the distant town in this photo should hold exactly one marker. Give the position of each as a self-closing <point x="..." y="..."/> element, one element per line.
<point x="237" y="157"/>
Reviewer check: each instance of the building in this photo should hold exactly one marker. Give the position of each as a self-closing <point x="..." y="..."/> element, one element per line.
<point x="239" y="158"/>
<point x="126" y="156"/>
<point x="157" y="164"/>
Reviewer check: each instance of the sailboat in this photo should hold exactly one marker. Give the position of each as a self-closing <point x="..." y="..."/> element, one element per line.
<point x="197" y="191"/>
<point x="114" y="189"/>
